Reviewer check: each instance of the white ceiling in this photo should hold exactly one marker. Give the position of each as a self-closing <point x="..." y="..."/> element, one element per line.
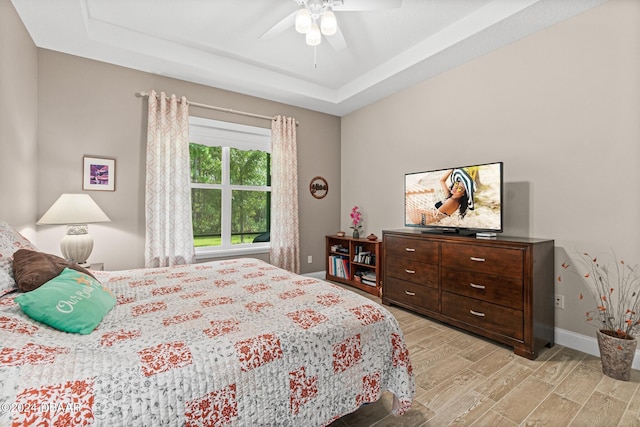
<point x="218" y="42"/>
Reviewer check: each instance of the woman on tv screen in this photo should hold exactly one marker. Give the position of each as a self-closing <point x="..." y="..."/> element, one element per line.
<point x="455" y="198"/>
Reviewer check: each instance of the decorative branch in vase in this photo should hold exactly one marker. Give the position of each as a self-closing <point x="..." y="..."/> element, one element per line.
<point x="356" y="220"/>
<point x="615" y="289"/>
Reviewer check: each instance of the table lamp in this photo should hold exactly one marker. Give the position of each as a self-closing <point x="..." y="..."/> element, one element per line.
<point x="75" y="211"/>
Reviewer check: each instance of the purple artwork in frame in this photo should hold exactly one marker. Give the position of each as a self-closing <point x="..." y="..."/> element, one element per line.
<point x="99" y="173"/>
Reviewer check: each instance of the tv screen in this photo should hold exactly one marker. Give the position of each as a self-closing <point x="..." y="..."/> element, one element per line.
<point x="464" y="199"/>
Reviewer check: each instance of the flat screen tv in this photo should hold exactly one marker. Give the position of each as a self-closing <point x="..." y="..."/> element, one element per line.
<point x="461" y="199"/>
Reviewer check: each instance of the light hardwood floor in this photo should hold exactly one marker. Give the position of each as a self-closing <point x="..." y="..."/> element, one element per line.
<point x="463" y="379"/>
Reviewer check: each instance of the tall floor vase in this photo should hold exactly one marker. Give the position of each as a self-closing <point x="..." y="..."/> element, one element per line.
<point x="616" y="355"/>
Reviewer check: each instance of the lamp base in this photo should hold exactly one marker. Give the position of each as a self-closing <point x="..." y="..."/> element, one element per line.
<point x="77" y="245"/>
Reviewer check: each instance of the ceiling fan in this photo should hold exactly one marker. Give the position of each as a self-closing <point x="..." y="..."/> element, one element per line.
<point x="315" y="18"/>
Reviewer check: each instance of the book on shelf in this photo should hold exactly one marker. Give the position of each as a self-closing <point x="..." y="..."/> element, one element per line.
<point x="361" y="256"/>
<point x="369" y="275"/>
<point x="339" y="266"/>
<point x="339" y="248"/>
<point x="366" y="277"/>
<point x="365" y="257"/>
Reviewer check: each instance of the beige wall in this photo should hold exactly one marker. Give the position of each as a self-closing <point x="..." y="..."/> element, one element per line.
<point x="561" y="108"/>
<point x="18" y="122"/>
<point x="90" y="108"/>
<point x="55" y="108"/>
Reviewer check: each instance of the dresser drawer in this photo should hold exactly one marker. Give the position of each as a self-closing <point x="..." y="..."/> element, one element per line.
<point x="412" y="249"/>
<point x="505" y="291"/>
<point x="413" y="271"/>
<point x="483" y="259"/>
<point x="411" y="293"/>
<point x="491" y="317"/>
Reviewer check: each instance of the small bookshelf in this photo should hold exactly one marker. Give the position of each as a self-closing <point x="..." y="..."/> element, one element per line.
<point x="354" y="262"/>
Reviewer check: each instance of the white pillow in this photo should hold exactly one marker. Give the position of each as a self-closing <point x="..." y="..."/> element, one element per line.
<point x="7" y="284"/>
<point x="10" y="242"/>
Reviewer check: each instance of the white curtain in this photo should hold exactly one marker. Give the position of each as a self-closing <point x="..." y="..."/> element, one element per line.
<point x="285" y="245"/>
<point x="169" y="234"/>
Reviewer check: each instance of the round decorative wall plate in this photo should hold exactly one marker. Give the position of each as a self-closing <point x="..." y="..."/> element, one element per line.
<point x="319" y="187"/>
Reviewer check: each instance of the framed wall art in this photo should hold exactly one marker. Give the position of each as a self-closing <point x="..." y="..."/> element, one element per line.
<point x="99" y="173"/>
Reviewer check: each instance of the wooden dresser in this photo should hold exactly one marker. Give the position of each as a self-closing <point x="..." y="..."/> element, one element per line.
<point x="500" y="288"/>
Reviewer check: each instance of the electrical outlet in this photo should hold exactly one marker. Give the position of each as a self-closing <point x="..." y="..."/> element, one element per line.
<point x="309" y="259"/>
<point x="558" y="301"/>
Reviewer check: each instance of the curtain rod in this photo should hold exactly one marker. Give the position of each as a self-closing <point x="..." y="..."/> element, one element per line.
<point x="224" y="110"/>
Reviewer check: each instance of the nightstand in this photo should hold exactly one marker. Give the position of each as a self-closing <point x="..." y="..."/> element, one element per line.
<point x="99" y="266"/>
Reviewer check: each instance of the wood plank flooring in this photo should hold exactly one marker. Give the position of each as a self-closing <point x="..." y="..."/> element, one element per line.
<point x="463" y="379"/>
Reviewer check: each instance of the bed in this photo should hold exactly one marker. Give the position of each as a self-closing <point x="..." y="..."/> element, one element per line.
<point x="237" y="342"/>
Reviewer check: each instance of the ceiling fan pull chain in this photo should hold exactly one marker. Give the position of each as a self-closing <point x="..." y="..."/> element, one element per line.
<point x="315" y="57"/>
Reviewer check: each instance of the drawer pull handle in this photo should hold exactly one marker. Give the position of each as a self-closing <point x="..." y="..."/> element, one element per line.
<point x="410" y="271"/>
<point x="476" y="313"/>
<point x="473" y="285"/>
<point x="410" y="249"/>
<point x="413" y="294"/>
<point x="473" y="258"/>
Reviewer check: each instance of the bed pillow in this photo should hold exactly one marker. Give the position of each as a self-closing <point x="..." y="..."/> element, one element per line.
<point x="71" y="302"/>
<point x="7" y="284"/>
<point x="32" y="269"/>
<point x="11" y="241"/>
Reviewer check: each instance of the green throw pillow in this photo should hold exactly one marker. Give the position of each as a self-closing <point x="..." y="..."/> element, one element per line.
<point x="70" y="302"/>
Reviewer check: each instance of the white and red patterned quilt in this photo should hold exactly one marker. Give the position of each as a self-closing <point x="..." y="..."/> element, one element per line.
<point x="238" y="343"/>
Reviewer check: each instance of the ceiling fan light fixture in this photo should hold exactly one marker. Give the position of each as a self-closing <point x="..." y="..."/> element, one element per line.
<point x="314" y="37"/>
<point x="328" y="23"/>
<point x="303" y="21"/>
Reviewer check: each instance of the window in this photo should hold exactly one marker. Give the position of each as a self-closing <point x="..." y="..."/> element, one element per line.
<point x="230" y="187"/>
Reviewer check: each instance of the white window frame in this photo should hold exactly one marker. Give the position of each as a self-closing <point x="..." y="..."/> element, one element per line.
<point x="215" y="133"/>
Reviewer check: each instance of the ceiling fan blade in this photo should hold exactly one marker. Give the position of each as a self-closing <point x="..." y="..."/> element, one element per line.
<point x="282" y="26"/>
<point x="337" y="41"/>
<point x="359" y="5"/>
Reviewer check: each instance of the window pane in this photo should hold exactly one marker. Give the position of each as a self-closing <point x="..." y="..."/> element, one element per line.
<point x="249" y="216"/>
<point x="206" y="164"/>
<point x="206" y="214"/>
<point x="250" y="167"/>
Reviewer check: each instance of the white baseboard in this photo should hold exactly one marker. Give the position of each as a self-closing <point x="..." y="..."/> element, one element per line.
<point x="563" y="337"/>
<point x="316" y="275"/>
<point x="585" y="344"/>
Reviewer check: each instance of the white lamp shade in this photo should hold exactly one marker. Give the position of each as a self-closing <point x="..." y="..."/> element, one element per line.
<point x="76" y="211"/>
<point x="73" y="209"/>
<point x="303" y="21"/>
<point x="313" y="35"/>
<point x="328" y="23"/>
